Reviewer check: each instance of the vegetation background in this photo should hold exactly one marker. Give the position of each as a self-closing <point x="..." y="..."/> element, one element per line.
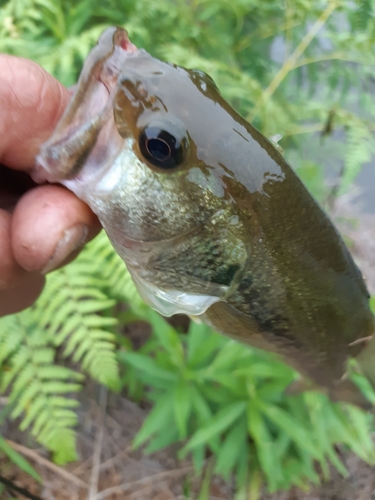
<point x="302" y="72"/>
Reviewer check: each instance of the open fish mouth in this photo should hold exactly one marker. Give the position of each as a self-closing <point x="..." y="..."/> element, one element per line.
<point x="87" y="123"/>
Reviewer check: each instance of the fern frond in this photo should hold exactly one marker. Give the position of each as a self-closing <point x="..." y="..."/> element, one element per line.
<point x="10" y="337"/>
<point x="363" y="14"/>
<point x="70" y="312"/>
<point x="110" y="271"/>
<point x="29" y="372"/>
<point x="74" y="315"/>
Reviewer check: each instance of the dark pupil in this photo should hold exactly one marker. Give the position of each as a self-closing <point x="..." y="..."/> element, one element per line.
<point x="159" y="149"/>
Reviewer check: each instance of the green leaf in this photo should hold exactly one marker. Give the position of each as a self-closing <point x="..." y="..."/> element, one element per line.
<point x="167" y="337"/>
<point x="259" y="431"/>
<point x="198" y="455"/>
<point x="230" y="450"/>
<point x="164" y="439"/>
<point x="201" y="406"/>
<point x="159" y="418"/>
<point x="291" y="427"/>
<point x="147" y="366"/>
<point x="219" y="423"/>
<point x="372" y="304"/>
<point x="18" y="460"/>
<point x="201" y="343"/>
<point x="182" y="406"/>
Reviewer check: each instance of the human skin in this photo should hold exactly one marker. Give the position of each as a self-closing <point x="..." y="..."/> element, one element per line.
<point x="41" y="227"/>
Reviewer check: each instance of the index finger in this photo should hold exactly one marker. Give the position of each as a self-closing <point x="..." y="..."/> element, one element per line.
<point x="31" y="103"/>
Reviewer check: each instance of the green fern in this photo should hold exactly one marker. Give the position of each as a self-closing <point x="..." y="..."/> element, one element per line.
<point x="105" y="265"/>
<point x="363" y="14"/>
<point x="69" y="314"/>
<point x="74" y="315"/>
<point x="26" y="362"/>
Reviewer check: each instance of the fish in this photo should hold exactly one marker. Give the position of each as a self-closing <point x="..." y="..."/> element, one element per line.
<point x="207" y="214"/>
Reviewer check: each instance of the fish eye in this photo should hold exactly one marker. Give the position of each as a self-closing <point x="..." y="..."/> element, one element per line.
<point x="162" y="148"/>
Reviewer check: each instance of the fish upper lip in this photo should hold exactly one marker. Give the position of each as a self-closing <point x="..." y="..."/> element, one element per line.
<point x="75" y="136"/>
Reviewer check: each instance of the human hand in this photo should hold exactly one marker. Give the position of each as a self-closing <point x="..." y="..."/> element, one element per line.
<point x="41" y="227"/>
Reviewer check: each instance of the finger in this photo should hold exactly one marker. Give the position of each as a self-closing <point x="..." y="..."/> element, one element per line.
<point x="10" y="270"/>
<point x="49" y="224"/>
<point x="23" y="296"/>
<point x="31" y="103"/>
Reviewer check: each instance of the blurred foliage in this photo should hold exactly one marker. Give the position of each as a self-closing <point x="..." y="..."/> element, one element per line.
<point x="231" y="403"/>
<point x="298" y="68"/>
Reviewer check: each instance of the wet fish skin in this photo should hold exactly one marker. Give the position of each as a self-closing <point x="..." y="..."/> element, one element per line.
<point x="229" y="233"/>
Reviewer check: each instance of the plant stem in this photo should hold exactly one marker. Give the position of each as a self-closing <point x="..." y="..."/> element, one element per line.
<point x="300" y="49"/>
<point x="329" y="57"/>
<point x="291" y="61"/>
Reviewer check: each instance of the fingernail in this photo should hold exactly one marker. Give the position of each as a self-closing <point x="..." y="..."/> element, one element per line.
<point x="72" y="239"/>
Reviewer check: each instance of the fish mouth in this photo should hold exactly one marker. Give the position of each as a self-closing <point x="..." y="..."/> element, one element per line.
<point x="87" y="129"/>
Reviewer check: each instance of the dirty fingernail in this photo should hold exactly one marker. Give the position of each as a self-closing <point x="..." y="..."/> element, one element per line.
<point x="72" y="239"/>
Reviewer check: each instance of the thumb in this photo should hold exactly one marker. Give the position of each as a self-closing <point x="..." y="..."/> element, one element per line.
<point x="31" y="103"/>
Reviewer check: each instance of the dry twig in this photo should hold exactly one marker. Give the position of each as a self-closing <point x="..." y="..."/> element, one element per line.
<point x="94" y="479"/>
<point x="47" y="464"/>
<point x="140" y="482"/>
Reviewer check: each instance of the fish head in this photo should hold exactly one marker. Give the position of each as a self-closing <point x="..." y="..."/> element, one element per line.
<point x="139" y="143"/>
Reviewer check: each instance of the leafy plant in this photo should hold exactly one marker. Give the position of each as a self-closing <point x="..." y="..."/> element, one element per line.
<point x="212" y="395"/>
<point x="230" y="402"/>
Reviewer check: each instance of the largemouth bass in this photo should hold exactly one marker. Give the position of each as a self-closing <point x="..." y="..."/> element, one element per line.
<point x="207" y="214"/>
